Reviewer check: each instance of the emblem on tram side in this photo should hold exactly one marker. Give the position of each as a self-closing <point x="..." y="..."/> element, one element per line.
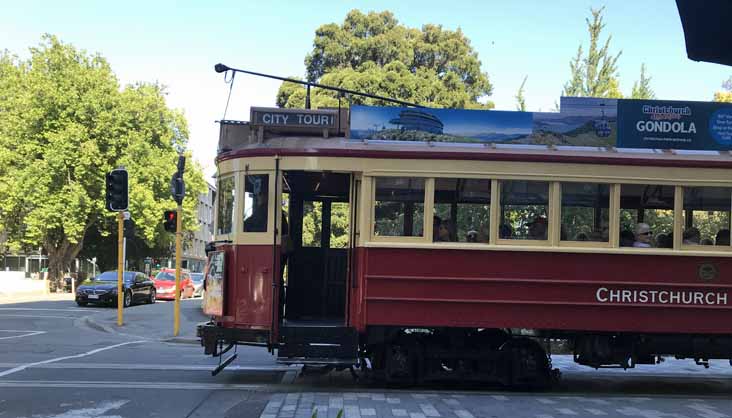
<point x="707" y="271"/>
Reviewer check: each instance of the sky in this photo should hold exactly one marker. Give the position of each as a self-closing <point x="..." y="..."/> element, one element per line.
<point x="177" y="43"/>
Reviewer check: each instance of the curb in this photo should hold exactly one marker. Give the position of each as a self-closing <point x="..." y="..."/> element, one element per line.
<point x="91" y="323"/>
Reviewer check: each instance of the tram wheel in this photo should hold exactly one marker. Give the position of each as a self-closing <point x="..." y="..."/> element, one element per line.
<point x="401" y="362"/>
<point x="530" y="367"/>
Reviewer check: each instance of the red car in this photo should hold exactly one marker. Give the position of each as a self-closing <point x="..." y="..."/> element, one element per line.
<point x="165" y="284"/>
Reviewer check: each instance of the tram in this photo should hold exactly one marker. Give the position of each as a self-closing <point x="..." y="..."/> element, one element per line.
<point x="415" y="261"/>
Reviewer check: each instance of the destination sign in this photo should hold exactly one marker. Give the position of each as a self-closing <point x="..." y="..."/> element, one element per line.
<point x="294" y="118"/>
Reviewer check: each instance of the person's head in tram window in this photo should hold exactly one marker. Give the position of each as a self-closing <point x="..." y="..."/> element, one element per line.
<point x="471" y="236"/>
<point x="722" y="237"/>
<point x="643" y="235"/>
<point x="537" y="228"/>
<point x="444" y="232"/>
<point x="692" y="236"/>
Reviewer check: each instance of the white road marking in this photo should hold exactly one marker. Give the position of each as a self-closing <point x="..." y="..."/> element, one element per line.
<point x="53" y="360"/>
<point x="706" y="411"/>
<point x="566" y="411"/>
<point x="51" y="309"/>
<point x="26" y="333"/>
<point x="500" y="397"/>
<point x="156" y="367"/>
<point x="546" y="401"/>
<point x="38" y="316"/>
<point x="82" y="384"/>
<point x="96" y="412"/>
<point x="595" y="411"/>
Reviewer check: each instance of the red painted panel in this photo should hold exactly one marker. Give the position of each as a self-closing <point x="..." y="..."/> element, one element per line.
<point x="248" y="290"/>
<point x="541" y="290"/>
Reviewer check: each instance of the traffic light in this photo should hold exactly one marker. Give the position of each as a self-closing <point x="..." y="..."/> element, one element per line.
<point x="117" y="199"/>
<point x="171" y="220"/>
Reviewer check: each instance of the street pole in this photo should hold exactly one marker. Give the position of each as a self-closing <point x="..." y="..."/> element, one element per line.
<point x="120" y="265"/>
<point x="178" y="239"/>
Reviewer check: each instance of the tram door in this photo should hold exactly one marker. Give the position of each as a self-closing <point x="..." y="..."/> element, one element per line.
<point x="318" y="213"/>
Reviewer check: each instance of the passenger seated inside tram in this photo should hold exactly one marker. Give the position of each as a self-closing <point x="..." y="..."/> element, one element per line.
<point x="664" y="241"/>
<point x="643" y="236"/>
<point x="692" y="236"/>
<point x="627" y="238"/>
<point x="505" y="231"/>
<point x="581" y="237"/>
<point x="537" y="228"/>
<point x="722" y="237"/>
<point x="471" y="236"/>
<point x="444" y="232"/>
<point x="707" y="241"/>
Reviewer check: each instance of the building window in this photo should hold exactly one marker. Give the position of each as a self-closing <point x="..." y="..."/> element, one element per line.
<point x="585" y="212"/>
<point x="399" y="207"/>
<point x="524" y="210"/>
<point x="462" y="210"/>
<point x="256" y="202"/>
<point x="225" y="214"/>
<point x="707" y="216"/>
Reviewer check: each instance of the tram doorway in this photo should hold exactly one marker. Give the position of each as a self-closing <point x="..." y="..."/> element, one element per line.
<point x="316" y="264"/>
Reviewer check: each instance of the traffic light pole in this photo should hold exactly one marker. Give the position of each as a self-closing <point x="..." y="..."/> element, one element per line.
<point x="120" y="266"/>
<point x="178" y="244"/>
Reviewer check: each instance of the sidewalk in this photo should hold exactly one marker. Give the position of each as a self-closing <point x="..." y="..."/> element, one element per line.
<point x="7" y="298"/>
<point x="152" y="322"/>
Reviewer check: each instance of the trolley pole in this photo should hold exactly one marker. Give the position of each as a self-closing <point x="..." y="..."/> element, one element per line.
<point x="120" y="265"/>
<point x="178" y="245"/>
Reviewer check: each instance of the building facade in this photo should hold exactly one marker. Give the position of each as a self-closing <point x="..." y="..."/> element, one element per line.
<point x="194" y="254"/>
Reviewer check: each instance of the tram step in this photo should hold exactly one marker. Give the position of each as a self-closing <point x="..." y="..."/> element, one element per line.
<point x="318" y="342"/>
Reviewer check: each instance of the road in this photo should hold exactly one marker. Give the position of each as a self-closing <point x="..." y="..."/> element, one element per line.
<point x="58" y="360"/>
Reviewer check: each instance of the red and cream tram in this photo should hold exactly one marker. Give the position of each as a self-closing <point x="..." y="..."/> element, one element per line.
<point x="431" y="260"/>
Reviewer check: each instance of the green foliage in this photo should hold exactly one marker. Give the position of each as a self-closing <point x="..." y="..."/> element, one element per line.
<point x="373" y="53"/>
<point x="312" y="224"/>
<point x="642" y="88"/>
<point x="594" y="74"/>
<point x="64" y="123"/>
<point x="725" y="95"/>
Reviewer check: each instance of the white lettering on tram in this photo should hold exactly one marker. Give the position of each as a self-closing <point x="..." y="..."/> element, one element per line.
<point x="275" y="119"/>
<point x="662" y="297"/>
<point x="665" y="127"/>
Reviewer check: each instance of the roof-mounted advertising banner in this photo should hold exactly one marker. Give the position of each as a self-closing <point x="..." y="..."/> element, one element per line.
<point x="581" y="122"/>
<point x="666" y="124"/>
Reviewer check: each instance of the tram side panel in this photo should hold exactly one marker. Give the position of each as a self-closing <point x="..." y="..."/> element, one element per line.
<point x="249" y="288"/>
<point x="543" y="291"/>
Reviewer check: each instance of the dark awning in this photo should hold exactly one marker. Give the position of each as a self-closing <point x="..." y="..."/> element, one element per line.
<point x="707" y="29"/>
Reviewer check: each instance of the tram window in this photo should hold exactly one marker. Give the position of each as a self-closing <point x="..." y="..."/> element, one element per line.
<point x="524" y="210"/>
<point x="707" y="215"/>
<point x="462" y="210"/>
<point x="585" y="212"/>
<point x="312" y="223"/>
<point x="646" y="216"/>
<point x="225" y="209"/>
<point x="256" y="202"/>
<point x="399" y="207"/>
<point x="340" y="215"/>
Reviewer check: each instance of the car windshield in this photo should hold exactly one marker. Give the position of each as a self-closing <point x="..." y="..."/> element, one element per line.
<point x="111" y="276"/>
<point x="197" y="277"/>
<point x="164" y="275"/>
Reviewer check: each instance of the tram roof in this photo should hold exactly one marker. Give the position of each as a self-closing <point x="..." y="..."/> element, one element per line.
<point x="239" y="146"/>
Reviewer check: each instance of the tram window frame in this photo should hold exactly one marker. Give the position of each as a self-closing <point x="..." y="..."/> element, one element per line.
<point x="480" y="184"/>
<point x="549" y="216"/>
<point x="684" y="246"/>
<point x="427" y="184"/>
<point x="611" y="214"/>
<point x="232" y="213"/>
<point x="262" y="228"/>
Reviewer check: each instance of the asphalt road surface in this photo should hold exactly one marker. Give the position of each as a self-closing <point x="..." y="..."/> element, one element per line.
<point x="59" y="360"/>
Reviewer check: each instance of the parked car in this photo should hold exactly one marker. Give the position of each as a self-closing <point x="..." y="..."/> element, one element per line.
<point x="165" y="284"/>
<point x="137" y="287"/>
<point x="197" y="279"/>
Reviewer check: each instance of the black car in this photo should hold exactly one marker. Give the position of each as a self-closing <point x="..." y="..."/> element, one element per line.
<point x="138" y="288"/>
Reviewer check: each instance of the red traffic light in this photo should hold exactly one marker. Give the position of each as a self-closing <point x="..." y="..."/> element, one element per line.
<point x="171" y="220"/>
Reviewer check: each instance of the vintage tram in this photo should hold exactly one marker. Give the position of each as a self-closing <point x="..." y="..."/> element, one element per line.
<point x="419" y="261"/>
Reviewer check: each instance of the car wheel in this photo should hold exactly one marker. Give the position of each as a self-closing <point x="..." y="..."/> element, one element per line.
<point x="152" y="296"/>
<point x="127" y="301"/>
<point x="80" y="303"/>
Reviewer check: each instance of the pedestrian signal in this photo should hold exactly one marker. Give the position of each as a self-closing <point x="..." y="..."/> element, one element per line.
<point x="171" y="220"/>
<point x="117" y="181"/>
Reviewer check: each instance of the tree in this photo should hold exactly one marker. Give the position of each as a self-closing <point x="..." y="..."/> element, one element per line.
<point x="596" y="74"/>
<point x="373" y="53"/>
<point x="726" y="94"/>
<point x="64" y="123"/>
<point x="520" y="99"/>
<point x="642" y="88"/>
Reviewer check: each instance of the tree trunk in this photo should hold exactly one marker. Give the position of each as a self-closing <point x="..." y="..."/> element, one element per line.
<point x="56" y="265"/>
